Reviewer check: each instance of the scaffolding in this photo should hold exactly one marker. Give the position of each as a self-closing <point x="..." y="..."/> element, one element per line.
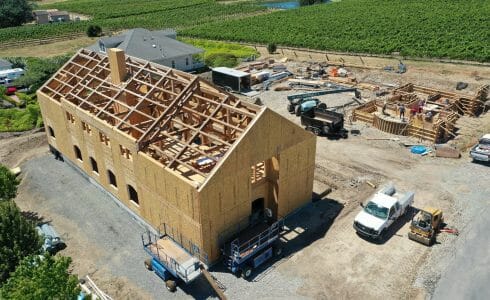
<point x="178" y="119"/>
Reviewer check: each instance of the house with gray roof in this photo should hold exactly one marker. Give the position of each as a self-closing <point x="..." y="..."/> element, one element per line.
<point x="5" y="65"/>
<point x="159" y="47"/>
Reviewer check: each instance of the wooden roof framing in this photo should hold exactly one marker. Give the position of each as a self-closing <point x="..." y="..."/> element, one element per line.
<point x="177" y="118"/>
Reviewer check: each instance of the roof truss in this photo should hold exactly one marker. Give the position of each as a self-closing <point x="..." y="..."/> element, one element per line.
<point x="177" y="118"/>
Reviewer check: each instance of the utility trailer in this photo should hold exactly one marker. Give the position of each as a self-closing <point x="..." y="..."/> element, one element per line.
<point x="324" y="122"/>
<point x="252" y="247"/>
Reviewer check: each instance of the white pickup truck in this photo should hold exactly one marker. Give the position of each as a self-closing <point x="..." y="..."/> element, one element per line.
<point x="481" y="151"/>
<point x="382" y="209"/>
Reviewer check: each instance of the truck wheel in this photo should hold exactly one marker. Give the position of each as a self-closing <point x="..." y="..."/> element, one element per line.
<point x="148" y="265"/>
<point x="171" y="285"/>
<point x="290" y="108"/>
<point x="297" y="110"/>
<point x="277" y="250"/>
<point x="246" y="272"/>
<point x="316" y="131"/>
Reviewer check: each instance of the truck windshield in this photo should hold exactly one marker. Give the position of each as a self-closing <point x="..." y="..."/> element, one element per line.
<point x="377" y="211"/>
<point x="485" y="142"/>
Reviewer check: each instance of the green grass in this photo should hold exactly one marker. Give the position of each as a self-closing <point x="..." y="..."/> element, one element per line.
<point x="222" y="54"/>
<point x="418" y="28"/>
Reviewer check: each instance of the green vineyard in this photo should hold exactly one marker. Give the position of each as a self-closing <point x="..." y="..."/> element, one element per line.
<point x="418" y="28"/>
<point x="124" y="14"/>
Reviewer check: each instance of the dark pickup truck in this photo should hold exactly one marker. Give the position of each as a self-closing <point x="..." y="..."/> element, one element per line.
<point x="324" y="122"/>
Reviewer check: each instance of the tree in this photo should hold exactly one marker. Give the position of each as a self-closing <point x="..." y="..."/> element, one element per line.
<point x="271" y="48"/>
<point x="18" y="238"/>
<point x="8" y="184"/>
<point x="309" y="2"/>
<point x="15" y="12"/>
<point x="94" y="31"/>
<point x="41" y="277"/>
<point x="39" y="70"/>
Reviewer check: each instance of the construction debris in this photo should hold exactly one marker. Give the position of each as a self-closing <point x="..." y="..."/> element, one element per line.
<point x="443" y="150"/>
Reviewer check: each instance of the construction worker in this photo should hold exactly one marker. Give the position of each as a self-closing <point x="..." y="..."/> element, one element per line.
<point x="401" y="108"/>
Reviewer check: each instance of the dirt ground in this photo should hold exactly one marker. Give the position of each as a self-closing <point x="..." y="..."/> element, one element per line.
<point x="331" y="261"/>
<point x="48" y="50"/>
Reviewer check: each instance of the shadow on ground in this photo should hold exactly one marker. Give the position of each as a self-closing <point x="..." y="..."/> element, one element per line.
<point x="301" y="229"/>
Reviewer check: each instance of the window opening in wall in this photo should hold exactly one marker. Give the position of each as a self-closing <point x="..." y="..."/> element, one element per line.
<point x="86" y="128"/>
<point x="93" y="162"/>
<point x="104" y="139"/>
<point x="125" y="152"/>
<point x="173" y="64"/>
<point x="133" y="195"/>
<point x="70" y="117"/>
<point x="112" y="178"/>
<point x="78" y="153"/>
<point x="258" y="173"/>
<point x="51" y="131"/>
<point x="186" y="61"/>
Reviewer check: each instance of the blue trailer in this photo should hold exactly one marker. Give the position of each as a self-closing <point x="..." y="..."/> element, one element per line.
<point x="252" y="247"/>
<point x="171" y="261"/>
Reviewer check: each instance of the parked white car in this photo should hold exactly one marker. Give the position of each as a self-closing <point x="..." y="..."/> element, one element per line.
<point x="381" y="211"/>
<point x="481" y="151"/>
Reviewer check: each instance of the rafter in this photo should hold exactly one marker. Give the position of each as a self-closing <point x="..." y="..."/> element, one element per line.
<point x="162" y="109"/>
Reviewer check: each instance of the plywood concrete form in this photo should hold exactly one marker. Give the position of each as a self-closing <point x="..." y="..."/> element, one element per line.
<point x="203" y="211"/>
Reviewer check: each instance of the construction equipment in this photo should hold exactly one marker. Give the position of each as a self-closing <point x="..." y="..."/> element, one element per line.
<point x="299" y="99"/>
<point x="52" y="241"/>
<point x="402" y="68"/>
<point x="425" y="225"/>
<point x="175" y="259"/>
<point x="252" y="247"/>
<point x="324" y="122"/>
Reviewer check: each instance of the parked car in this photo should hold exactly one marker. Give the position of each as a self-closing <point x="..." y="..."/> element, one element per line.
<point x="481" y="151"/>
<point x="52" y="241"/>
<point x="11" y="90"/>
<point x="381" y="211"/>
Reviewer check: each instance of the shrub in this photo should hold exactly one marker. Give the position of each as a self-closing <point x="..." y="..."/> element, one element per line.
<point x="8" y="184"/>
<point x="94" y="31"/>
<point x="41" y="277"/>
<point x="271" y="48"/>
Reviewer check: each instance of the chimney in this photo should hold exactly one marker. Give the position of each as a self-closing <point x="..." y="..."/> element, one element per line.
<point x="117" y="64"/>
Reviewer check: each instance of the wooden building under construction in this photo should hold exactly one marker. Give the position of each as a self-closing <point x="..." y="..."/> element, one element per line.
<point x="173" y="148"/>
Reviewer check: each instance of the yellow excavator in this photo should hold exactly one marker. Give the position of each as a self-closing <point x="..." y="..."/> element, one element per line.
<point x="425" y="225"/>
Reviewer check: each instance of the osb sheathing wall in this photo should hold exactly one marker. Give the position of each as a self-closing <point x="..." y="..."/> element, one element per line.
<point x="226" y="198"/>
<point x="164" y="197"/>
